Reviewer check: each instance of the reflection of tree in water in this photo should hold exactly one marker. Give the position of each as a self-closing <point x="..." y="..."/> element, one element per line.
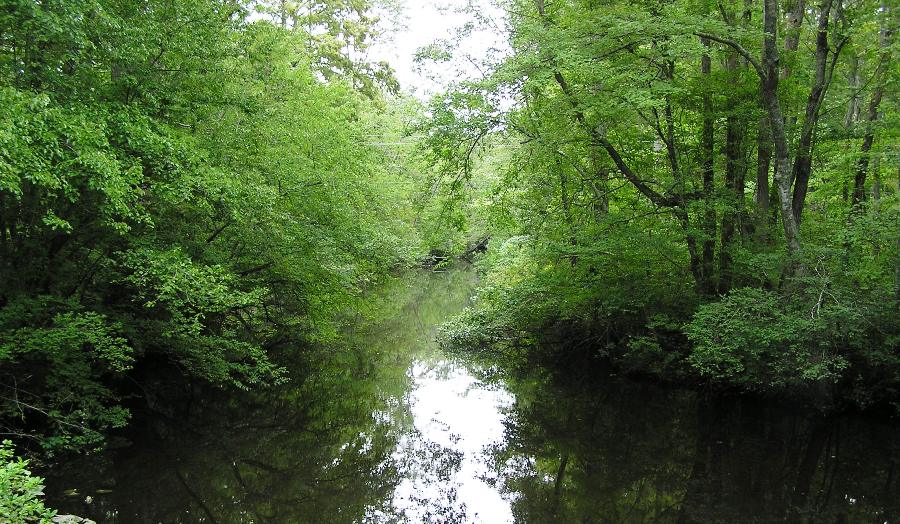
<point x="754" y="459"/>
<point x="427" y="493"/>
<point x="338" y="442"/>
<point x="631" y="452"/>
<point x="321" y="448"/>
<point x="294" y="454"/>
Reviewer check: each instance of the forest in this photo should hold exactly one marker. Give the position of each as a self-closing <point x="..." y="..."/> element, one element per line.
<point x="196" y="194"/>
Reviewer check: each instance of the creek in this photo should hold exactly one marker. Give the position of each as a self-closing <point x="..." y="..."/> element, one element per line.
<point x="383" y="426"/>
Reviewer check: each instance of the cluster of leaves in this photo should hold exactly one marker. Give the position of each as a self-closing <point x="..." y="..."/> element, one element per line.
<point x="20" y="491"/>
<point x="338" y="33"/>
<point x="752" y="338"/>
<point x="533" y="292"/>
<point x="835" y="324"/>
<point x="59" y="354"/>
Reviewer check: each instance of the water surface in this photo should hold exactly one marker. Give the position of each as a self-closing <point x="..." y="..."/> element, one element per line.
<point x="381" y="426"/>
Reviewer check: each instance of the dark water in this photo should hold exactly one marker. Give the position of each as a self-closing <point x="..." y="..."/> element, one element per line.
<point x="389" y="429"/>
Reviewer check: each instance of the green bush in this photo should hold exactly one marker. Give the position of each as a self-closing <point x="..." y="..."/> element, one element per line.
<point x="759" y="339"/>
<point x="532" y="292"/>
<point x="20" y="492"/>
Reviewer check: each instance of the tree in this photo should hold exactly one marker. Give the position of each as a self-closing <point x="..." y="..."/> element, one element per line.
<point x="338" y="33"/>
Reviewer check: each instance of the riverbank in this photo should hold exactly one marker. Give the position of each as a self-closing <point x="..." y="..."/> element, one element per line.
<point x="780" y="344"/>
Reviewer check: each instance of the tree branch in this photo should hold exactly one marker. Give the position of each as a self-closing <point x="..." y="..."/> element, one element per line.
<point x="741" y="50"/>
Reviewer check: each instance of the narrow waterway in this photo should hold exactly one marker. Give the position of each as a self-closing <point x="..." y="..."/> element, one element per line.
<point x="381" y="426"/>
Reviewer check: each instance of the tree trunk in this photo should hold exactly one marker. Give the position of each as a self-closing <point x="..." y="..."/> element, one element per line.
<point x="769" y="91"/>
<point x="859" y="182"/>
<point x="567" y="212"/>
<point x="876" y="182"/>
<point x="763" y="164"/>
<point x="803" y="160"/>
<point x="708" y="151"/>
<point x="734" y="182"/>
<point x="853" y="82"/>
<point x="795" y="13"/>
<point x="282" y="13"/>
<point x="601" y="203"/>
<point x="851" y="117"/>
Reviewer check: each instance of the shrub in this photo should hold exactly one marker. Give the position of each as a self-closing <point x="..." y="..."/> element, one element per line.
<point x="757" y="339"/>
<point x="20" y="492"/>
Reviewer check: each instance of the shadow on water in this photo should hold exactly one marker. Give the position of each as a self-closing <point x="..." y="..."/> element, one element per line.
<point x="383" y="427"/>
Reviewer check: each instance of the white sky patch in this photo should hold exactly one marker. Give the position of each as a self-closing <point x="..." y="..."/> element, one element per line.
<point x="430" y="21"/>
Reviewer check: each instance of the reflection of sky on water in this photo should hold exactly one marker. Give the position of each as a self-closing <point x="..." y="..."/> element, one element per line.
<point x="442" y="458"/>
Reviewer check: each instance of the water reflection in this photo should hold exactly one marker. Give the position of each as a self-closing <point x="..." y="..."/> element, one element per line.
<point x="384" y="428"/>
<point x="456" y="414"/>
<point x="340" y="443"/>
<point x="613" y="450"/>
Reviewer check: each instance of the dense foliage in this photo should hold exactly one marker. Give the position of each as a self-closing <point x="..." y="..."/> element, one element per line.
<point x="701" y="190"/>
<point x="185" y="189"/>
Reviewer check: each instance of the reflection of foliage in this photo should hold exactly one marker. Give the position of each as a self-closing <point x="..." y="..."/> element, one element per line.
<point x="583" y="450"/>
<point x="430" y="468"/>
<point x="567" y="460"/>
<point x="321" y="444"/>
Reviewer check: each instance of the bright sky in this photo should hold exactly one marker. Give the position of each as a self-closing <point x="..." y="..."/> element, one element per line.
<point x="428" y="21"/>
